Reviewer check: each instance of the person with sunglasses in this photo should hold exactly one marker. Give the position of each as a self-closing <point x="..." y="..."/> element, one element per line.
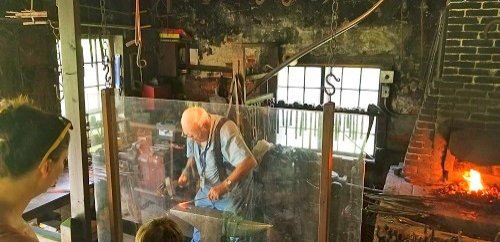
<point x="33" y="151"/>
<point x="223" y="161"/>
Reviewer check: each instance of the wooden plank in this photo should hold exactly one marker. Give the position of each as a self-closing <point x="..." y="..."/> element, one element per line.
<point x="72" y="66"/>
<point x="112" y="166"/>
<point x="326" y="173"/>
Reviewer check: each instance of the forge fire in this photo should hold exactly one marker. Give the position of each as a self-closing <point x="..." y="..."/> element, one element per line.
<point x="473" y="179"/>
<point x="472" y="190"/>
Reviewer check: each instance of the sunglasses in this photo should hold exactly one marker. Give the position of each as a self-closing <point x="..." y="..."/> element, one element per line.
<point x="67" y="126"/>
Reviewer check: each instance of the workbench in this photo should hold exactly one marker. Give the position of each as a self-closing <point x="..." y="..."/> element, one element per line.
<point x="55" y="197"/>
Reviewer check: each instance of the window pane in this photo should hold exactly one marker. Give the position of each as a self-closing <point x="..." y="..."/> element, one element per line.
<point x="292" y="117"/>
<point x="281" y="137"/>
<point x="296" y="95"/>
<point x="313" y="77"/>
<point x="91" y="99"/>
<point x="368" y="97"/>
<point x="344" y="144"/>
<point x="281" y="94"/>
<point x="86" y="50"/>
<point x="296" y="76"/>
<point x="337" y="71"/>
<point x="370" y="78"/>
<point x="335" y="98"/>
<point x="90" y="75"/>
<point x="293" y="137"/>
<point x="370" y="145"/>
<point x="349" y="99"/>
<point x="350" y="77"/>
<point x="312" y="96"/>
<point x="283" y="77"/>
<point x="363" y="126"/>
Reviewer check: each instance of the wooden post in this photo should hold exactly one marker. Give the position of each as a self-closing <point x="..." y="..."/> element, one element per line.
<point x="326" y="172"/>
<point x="112" y="166"/>
<point x="72" y="66"/>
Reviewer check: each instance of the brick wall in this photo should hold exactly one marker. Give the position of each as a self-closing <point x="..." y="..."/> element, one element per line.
<point x="467" y="94"/>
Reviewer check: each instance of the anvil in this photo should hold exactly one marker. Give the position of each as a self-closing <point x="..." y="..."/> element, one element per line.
<point x="213" y="224"/>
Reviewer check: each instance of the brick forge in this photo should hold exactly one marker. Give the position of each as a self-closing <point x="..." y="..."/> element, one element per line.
<point x="466" y="95"/>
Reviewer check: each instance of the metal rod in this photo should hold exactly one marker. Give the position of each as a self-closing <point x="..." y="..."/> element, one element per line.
<point x="326" y="171"/>
<point x="111" y="11"/>
<point x="112" y="167"/>
<point x="315" y="45"/>
<point x="113" y="26"/>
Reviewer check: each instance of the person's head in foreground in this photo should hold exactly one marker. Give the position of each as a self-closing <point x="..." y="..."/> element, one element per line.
<point x="196" y="124"/>
<point x="33" y="150"/>
<point x="159" y="230"/>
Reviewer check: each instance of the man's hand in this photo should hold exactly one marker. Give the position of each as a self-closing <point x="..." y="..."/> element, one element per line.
<point x="217" y="192"/>
<point x="183" y="180"/>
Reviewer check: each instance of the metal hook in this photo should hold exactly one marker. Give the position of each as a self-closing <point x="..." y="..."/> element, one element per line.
<point x="58" y="96"/>
<point x="327" y="79"/>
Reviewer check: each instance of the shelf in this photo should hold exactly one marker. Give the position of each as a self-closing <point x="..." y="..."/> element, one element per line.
<point x="210" y="68"/>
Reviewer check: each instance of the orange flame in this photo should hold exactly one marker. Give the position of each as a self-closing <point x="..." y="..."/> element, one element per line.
<point x="473" y="178"/>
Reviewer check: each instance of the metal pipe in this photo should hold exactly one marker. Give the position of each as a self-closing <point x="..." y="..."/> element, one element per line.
<point x="112" y="26"/>
<point x="315" y="45"/>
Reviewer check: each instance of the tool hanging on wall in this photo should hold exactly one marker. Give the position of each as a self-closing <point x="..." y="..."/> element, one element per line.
<point x="137" y="41"/>
<point x="105" y="60"/>
<point x="32" y="16"/>
<point x="310" y="128"/>
<point x="60" y="85"/>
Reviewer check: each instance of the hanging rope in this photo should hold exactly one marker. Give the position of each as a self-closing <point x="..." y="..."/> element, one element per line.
<point x="141" y="63"/>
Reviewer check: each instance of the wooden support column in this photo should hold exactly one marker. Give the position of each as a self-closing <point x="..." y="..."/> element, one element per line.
<point x="72" y="66"/>
<point x="112" y="166"/>
<point x="326" y="172"/>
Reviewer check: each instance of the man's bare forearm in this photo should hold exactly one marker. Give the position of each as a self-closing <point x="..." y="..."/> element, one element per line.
<point x="242" y="169"/>
<point x="189" y="166"/>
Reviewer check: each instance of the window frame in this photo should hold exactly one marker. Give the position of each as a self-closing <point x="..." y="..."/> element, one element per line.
<point x="323" y="97"/>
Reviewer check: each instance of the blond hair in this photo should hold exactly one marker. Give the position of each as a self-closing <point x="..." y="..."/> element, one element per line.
<point x="159" y="230"/>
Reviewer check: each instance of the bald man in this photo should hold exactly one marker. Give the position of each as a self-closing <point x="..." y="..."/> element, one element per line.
<point x="232" y="193"/>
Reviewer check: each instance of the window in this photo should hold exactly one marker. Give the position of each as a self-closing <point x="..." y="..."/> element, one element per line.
<point x="300" y="84"/>
<point x="94" y="73"/>
<point x="358" y="87"/>
<point x="94" y="80"/>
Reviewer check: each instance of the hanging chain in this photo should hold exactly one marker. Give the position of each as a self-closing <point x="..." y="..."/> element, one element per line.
<point x="331" y="51"/>
<point x="104" y="48"/>
<point x="59" y="86"/>
<point x="333" y="26"/>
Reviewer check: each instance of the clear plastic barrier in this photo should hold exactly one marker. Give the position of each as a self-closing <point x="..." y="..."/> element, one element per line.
<point x="285" y="190"/>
